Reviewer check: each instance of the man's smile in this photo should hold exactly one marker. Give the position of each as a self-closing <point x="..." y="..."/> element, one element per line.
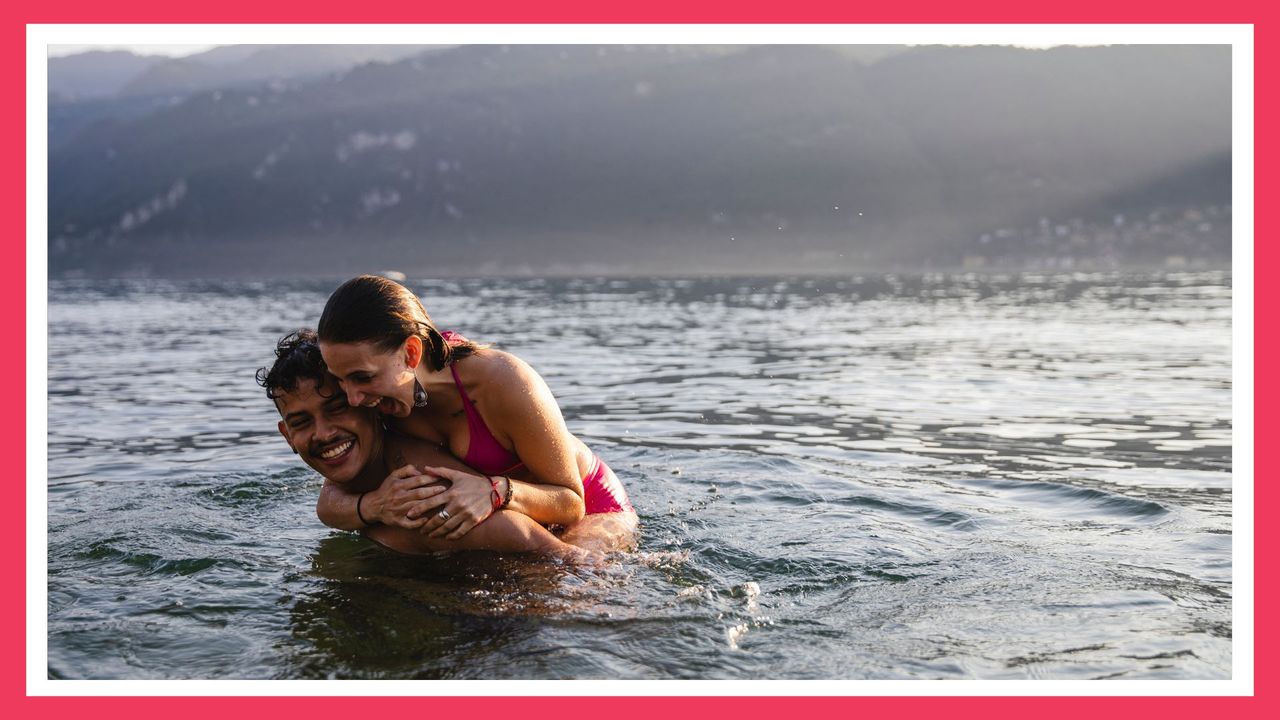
<point x="336" y="453"/>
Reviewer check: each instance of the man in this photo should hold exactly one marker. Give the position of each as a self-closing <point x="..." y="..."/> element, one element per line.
<point x="351" y="449"/>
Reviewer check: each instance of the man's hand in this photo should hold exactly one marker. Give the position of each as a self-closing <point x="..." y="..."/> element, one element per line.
<point x="466" y="504"/>
<point x="404" y="499"/>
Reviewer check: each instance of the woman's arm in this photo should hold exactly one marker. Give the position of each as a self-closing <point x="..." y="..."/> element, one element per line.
<point x="547" y="504"/>
<point x="520" y="406"/>
<point x="388" y="504"/>
<point x="503" y="532"/>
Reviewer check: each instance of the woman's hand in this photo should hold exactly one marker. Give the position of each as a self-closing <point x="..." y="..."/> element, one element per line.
<point x="466" y="504"/>
<point x="404" y="499"/>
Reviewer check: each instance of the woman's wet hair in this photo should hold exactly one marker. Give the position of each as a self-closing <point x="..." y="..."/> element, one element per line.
<point x="383" y="312"/>
<point x="297" y="359"/>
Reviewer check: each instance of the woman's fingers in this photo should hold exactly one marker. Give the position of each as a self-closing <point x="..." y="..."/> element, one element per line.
<point x="451" y="518"/>
<point x="430" y="491"/>
<point x="401" y="473"/>
<point x="467" y="503"/>
<point x="462" y="529"/>
<point x="455" y="527"/>
<point x="425" y="503"/>
<point x="412" y="493"/>
<point x="411" y="482"/>
<point x="399" y="494"/>
<point x="459" y="523"/>
<point x="435" y="521"/>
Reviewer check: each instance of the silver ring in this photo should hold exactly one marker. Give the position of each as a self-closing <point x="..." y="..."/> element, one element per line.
<point x="444" y="514"/>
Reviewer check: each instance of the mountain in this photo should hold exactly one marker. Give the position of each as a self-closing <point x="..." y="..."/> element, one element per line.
<point x="107" y="87"/>
<point x="96" y="74"/>
<point x="648" y="159"/>
<point x="238" y="65"/>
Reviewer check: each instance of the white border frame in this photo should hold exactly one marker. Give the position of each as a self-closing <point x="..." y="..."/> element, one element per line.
<point x="1240" y="37"/>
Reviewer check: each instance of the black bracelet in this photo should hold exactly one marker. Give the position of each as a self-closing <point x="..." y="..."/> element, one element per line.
<point x="360" y="514"/>
<point x="511" y="486"/>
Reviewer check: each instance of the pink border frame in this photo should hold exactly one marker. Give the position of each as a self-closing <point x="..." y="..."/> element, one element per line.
<point x="13" y="295"/>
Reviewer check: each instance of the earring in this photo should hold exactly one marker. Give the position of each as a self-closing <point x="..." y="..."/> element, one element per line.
<point x="419" y="394"/>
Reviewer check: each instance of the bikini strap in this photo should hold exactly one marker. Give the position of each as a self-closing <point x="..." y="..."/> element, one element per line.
<point x="473" y="414"/>
<point x="481" y="435"/>
<point x="466" y="401"/>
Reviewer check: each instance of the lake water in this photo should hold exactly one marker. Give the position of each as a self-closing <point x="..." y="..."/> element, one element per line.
<point x="1023" y="476"/>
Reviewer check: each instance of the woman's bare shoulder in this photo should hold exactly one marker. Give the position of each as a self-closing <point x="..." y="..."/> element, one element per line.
<point x="501" y="368"/>
<point x="507" y="386"/>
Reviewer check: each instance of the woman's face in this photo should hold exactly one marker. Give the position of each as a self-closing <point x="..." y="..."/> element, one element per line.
<point x="372" y="377"/>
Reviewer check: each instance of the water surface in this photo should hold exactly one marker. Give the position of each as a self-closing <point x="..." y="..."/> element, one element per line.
<point x="864" y="477"/>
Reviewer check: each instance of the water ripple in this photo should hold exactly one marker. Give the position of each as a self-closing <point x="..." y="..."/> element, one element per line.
<point x="889" y="476"/>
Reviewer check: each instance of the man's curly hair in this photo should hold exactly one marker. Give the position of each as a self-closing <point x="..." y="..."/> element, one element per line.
<point x="297" y="358"/>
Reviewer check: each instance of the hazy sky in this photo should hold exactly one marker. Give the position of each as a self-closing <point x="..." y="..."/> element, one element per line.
<point x="171" y="50"/>
<point x="181" y="50"/>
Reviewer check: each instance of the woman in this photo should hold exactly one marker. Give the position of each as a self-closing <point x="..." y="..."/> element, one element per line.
<point x="487" y="407"/>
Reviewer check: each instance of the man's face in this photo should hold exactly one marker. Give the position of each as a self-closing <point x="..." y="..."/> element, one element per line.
<point x="335" y="439"/>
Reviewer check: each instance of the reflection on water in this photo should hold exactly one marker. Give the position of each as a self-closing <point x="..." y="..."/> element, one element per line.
<point x="865" y="477"/>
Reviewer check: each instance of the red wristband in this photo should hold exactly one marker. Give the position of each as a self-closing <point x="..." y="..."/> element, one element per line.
<point x="497" y="496"/>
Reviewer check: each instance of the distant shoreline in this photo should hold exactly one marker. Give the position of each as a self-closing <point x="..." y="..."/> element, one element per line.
<point x="727" y="273"/>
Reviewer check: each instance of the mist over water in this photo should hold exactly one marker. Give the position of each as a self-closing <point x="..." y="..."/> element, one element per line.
<point x="947" y="476"/>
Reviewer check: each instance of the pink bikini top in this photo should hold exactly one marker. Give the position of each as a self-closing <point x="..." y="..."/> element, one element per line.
<point x="484" y="452"/>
